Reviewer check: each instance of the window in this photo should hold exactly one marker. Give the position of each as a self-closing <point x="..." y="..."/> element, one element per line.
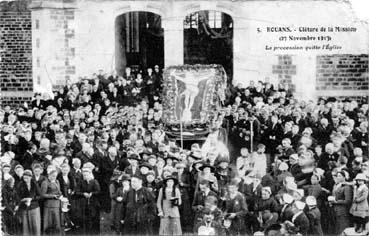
<point x="37" y="24"/>
<point x="37" y="43"/>
<point x="214" y="19"/>
<point x="38" y="80"/>
<point x="191" y="21"/>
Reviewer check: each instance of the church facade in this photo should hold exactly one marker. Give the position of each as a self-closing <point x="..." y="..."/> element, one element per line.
<point x="74" y="38"/>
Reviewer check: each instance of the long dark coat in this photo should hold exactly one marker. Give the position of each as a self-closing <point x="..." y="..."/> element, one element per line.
<point x="315" y="221"/>
<point x="140" y="205"/>
<point x="185" y="208"/>
<point x="90" y="207"/>
<point x="343" y="195"/>
<point x="302" y="222"/>
<point x="106" y="171"/>
<point x="23" y="192"/>
<point x="9" y="215"/>
<point x="238" y="206"/>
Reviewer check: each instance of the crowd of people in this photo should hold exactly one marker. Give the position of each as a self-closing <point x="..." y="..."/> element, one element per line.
<point x="283" y="167"/>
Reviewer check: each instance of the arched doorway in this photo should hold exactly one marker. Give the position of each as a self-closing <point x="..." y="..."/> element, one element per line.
<point x="139" y="41"/>
<point x="208" y="39"/>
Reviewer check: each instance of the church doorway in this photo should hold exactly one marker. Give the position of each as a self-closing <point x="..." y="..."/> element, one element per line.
<point x="208" y="39"/>
<point x="139" y="41"/>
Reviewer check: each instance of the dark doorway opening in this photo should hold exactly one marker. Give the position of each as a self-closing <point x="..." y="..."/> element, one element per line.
<point x="208" y="39"/>
<point x="139" y="41"/>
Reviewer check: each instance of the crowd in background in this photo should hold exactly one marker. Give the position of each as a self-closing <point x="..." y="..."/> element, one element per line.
<point x="98" y="147"/>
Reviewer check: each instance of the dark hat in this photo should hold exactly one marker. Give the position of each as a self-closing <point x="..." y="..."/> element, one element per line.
<point x="28" y="173"/>
<point x="146" y="152"/>
<point x="197" y="162"/>
<point x="207" y="165"/>
<point x="174" y="178"/>
<point x="172" y="157"/>
<point x="125" y="177"/>
<point x="151" y="173"/>
<point x="6" y="165"/>
<point x="205" y="181"/>
<point x="195" y="156"/>
<point x="137" y="176"/>
<point x="59" y="152"/>
<point x="36" y="166"/>
<point x="18" y="166"/>
<point x="221" y="159"/>
<point x="346" y="100"/>
<point x="134" y="157"/>
<point x="322" y="99"/>
<point x="331" y="99"/>
<point x="43" y="151"/>
<point x="145" y="164"/>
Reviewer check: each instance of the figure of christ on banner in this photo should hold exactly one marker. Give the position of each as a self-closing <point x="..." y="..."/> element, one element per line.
<point x="191" y="88"/>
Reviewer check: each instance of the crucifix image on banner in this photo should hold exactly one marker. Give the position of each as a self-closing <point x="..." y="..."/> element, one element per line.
<point x="191" y="90"/>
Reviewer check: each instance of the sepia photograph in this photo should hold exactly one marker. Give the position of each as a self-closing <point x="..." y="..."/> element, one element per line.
<point x="184" y="117"/>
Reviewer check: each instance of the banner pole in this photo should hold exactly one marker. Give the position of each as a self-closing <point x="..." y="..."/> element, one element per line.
<point x="181" y="128"/>
<point x="251" y="135"/>
<point x="181" y="114"/>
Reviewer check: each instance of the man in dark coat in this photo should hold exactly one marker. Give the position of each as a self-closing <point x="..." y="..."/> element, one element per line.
<point x="84" y="155"/>
<point x="150" y="86"/>
<point x="106" y="171"/>
<point x="77" y="143"/>
<point x="199" y="199"/>
<point x="296" y="136"/>
<point x="37" y="174"/>
<point x="272" y="135"/>
<point x="299" y="219"/>
<point x="18" y="174"/>
<point x="200" y="196"/>
<point x="38" y="102"/>
<point x="361" y="137"/>
<point x="314" y="216"/>
<point x="27" y="158"/>
<point x="133" y="168"/>
<point x="286" y="149"/>
<point x="140" y="205"/>
<point x="89" y="191"/>
<point x="235" y="208"/>
<point x="75" y="200"/>
<point x="23" y="144"/>
<point x="323" y="132"/>
<point x="327" y="156"/>
<point x="28" y="196"/>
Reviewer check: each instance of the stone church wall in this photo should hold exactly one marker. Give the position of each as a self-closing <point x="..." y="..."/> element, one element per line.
<point x="343" y="72"/>
<point x="15" y="53"/>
